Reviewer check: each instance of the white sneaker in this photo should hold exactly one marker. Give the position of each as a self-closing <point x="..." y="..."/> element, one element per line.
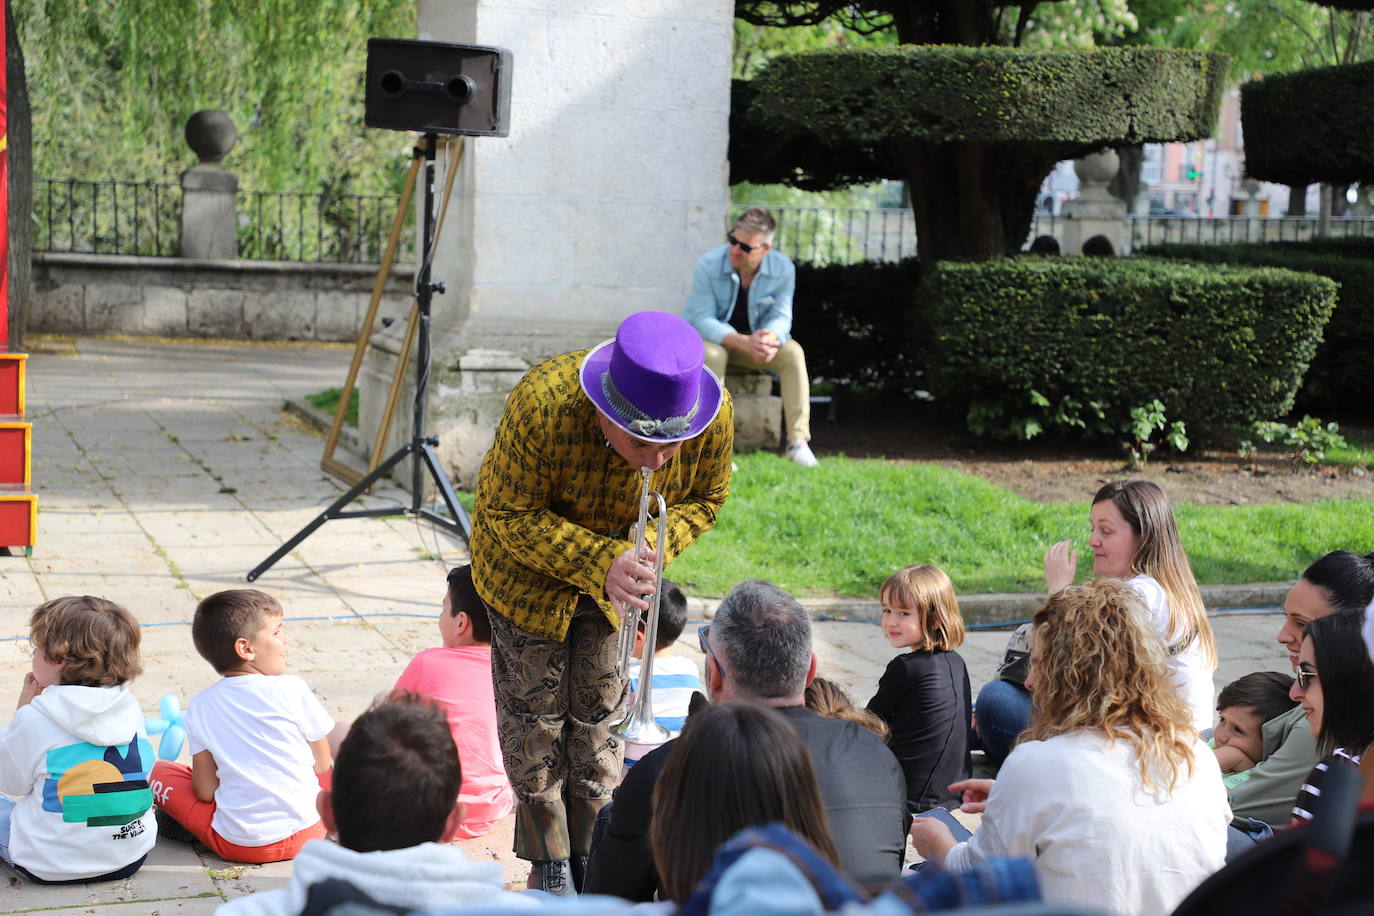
<point x="801" y="453"/>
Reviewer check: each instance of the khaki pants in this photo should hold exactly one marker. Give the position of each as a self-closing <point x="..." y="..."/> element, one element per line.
<point x="790" y="365"/>
<point x="555" y="702"/>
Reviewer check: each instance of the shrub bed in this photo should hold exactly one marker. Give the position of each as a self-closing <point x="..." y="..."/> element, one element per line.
<point x="1341" y="377"/>
<point x="862" y="324"/>
<point x="1075" y="344"/>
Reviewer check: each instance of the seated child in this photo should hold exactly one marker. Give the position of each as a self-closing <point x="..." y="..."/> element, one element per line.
<point x="675" y="676"/>
<point x="76" y="753"/>
<point x="923" y="695"/>
<point x="392" y="805"/>
<point x="1243" y="706"/>
<point x="458" y="676"/>
<point x="259" y="739"/>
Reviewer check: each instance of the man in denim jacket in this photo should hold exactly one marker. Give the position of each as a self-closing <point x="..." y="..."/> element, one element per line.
<point x="741" y="304"/>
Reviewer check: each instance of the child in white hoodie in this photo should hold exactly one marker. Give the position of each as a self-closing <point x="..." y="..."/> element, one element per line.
<point x="76" y="754"/>
<point x="394" y="807"/>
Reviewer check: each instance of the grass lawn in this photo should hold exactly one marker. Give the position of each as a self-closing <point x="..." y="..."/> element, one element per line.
<point x="840" y="529"/>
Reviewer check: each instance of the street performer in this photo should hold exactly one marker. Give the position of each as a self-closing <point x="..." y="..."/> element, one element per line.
<point x="553" y="557"/>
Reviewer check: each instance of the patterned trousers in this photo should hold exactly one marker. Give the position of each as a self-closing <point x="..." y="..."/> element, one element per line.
<point x="555" y="702"/>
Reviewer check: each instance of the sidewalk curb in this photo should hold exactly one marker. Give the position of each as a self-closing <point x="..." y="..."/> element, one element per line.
<point x="349" y="437"/>
<point x="1015" y="606"/>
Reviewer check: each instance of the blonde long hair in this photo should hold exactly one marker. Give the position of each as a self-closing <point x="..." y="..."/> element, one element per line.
<point x="1160" y="556"/>
<point x="1099" y="665"/>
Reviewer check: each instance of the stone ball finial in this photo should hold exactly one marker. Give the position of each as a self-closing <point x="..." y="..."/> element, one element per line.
<point x="211" y="135"/>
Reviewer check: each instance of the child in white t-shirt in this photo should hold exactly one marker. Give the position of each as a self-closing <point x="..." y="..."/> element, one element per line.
<point x="675" y="677"/>
<point x="76" y="754"/>
<point x="259" y="740"/>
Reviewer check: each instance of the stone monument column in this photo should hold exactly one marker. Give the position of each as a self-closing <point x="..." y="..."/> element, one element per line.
<point x="208" y="190"/>
<point x="612" y="182"/>
<point x="1095" y="211"/>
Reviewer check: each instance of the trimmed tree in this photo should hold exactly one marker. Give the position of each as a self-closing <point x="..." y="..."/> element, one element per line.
<point x="973" y="130"/>
<point x="1316" y="125"/>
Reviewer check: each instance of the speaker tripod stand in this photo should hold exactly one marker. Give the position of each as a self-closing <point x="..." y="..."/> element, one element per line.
<point x="420" y="448"/>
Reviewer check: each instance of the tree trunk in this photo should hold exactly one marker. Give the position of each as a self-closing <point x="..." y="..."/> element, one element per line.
<point x="19" y="128"/>
<point x="1338" y="202"/>
<point x="1297" y="200"/>
<point x="1126" y="184"/>
<point x="973" y="201"/>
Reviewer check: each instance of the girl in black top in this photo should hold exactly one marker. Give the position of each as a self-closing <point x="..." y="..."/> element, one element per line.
<point x="924" y="694"/>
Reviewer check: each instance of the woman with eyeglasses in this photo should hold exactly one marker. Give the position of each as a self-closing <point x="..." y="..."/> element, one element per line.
<point x="1335" y="690"/>
<point x="1109" y="790"/>
<point x="1342" y="580"/>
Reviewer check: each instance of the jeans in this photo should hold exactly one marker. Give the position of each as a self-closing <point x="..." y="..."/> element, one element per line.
<point x="6" y="810"/>
<point x="1002" y="711"/>
<point x="1243" y="833"/>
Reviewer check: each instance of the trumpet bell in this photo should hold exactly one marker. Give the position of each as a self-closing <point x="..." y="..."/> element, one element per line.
<point x="639" y="727"/>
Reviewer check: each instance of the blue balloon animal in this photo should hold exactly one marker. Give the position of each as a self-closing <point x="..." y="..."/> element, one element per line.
<point x="171" y="725"/>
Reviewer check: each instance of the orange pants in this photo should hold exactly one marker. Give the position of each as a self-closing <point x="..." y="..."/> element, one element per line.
<point x="172" y="792"/>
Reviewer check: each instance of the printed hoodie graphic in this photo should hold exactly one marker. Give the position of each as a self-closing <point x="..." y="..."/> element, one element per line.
<point x="78" y="759"/>
<point x="104" y="779"/>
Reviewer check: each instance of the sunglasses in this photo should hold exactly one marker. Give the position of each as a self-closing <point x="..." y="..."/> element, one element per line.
<point x="701" y="639"/>
<point x="740" y="245"/>
<point x="1305" y="678"/>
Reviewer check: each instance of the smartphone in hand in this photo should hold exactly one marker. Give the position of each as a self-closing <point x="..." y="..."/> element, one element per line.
<point x="959" y="831"/>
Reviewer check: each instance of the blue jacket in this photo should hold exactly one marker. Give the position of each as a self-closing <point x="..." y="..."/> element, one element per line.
<point x="715" y="284"/>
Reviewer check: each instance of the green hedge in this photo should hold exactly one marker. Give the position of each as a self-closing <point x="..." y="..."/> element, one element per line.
<point x="1026" y="344"/>
<point x="862" y="324"/>
<point x="1341" y="377"/>
<point x="1315" y="125"/>
<point x="943" y="94"/>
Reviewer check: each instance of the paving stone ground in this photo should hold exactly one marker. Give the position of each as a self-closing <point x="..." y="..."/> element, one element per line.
<point x="168" y="470"/>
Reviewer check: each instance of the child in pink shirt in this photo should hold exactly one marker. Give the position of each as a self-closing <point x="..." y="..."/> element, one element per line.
<point x="458" y="676"/>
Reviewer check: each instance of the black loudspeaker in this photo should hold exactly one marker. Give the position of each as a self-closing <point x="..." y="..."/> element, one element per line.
<point x="436" y="87"/>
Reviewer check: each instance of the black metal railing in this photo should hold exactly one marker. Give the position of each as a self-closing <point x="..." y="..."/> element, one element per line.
<point x="1227" y="230"/>
<point x="144" y="218"/>
<point x="105" y="217"/>
<point x="837" y="235"/>
<point x="345" y="228"/>
<point x="840" y="235"/>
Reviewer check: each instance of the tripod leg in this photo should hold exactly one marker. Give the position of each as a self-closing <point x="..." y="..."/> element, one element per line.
<point x="459" y="523"/>
<point x="334" y="510"/>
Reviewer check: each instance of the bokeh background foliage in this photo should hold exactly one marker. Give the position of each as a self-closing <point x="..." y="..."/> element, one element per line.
<point x="112" y="84"/>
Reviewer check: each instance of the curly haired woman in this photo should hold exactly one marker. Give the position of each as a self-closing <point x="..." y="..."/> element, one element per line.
<point x="1109" y="790"/>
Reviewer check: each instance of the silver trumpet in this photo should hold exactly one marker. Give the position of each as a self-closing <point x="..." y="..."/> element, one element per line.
<point x="638" y="726"/>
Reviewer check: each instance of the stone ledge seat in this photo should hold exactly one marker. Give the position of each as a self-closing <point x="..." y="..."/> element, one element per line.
<point x="758" y="412"/>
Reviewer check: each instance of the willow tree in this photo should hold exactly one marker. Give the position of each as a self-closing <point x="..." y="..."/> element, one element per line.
<point x="972" y="127"/>
<point x="112" y="83"/>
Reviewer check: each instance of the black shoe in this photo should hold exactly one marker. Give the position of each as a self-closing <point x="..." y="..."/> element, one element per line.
<point x="169" y="827"/>
<point x="579" y="871"/>
<point x="553" y="877"/>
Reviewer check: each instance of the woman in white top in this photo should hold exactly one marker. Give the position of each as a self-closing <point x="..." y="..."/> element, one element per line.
<point x="1134" y="538"/>
<point x="1109" y="790"/>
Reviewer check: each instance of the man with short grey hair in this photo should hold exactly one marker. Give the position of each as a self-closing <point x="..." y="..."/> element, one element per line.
<point x="763" y="636"/>
<point x="741" y="304"/>
<point x="758" y="650"/>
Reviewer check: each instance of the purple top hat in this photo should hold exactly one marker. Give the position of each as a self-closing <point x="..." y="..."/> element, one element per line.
<point x="651" y="380"/>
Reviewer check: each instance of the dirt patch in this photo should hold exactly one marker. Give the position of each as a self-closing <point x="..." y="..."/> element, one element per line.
<point x="1051" y="471"/>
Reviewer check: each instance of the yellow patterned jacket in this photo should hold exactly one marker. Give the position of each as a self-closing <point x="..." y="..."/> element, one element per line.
<point x="555" y="502"/>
